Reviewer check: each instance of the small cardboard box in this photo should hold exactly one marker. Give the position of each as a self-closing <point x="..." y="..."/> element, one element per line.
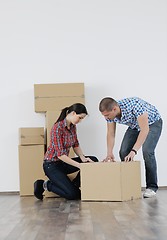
<point x="50" y="97"/>
<point x="116" y="181"/>
<point x="30" y="167"/>
<point x="31" y="136"/>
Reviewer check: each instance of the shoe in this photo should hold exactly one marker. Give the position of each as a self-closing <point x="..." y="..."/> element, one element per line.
<point x="38" y="189"/>
<point x="149" y="193"/>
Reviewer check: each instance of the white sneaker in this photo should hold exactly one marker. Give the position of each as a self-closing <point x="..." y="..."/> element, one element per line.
<point x="149" y="193"/>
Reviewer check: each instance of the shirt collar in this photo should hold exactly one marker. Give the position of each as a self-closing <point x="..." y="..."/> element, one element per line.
<point x="122" y="112"/>
<point x="65" y="124"/>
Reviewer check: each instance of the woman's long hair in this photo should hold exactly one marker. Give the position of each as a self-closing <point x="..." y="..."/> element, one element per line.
<point x="78" y="108"/>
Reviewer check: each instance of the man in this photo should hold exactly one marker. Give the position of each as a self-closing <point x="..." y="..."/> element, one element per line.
<point x="144" y="129"/>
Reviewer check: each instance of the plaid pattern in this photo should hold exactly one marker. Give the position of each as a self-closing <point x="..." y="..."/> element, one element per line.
<point x="132" y="108"/>
<point x="62" y="139"/>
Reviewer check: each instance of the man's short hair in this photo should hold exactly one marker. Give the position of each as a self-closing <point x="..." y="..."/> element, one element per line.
<point x="107" y="104"/>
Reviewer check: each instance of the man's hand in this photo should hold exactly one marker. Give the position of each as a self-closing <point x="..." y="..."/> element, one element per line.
<point x="130" y="157"/>
<point x="109" y="158"/>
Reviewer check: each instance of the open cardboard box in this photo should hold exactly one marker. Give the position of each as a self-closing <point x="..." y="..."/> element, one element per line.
<point x="110" y="181"/>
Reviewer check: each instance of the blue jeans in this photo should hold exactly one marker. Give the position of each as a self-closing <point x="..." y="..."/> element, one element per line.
<point x="59" y="182"/>
<point x="148" y="150"/>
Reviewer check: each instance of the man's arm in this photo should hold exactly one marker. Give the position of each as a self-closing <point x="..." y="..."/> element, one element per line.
<point x="111" y="129"/>
<point x="144" y="130"/>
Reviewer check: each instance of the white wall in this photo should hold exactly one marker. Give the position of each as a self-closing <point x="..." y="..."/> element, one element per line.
<point x="117" y="48"/>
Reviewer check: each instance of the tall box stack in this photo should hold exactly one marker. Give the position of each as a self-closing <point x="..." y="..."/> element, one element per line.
<point x="31" y="152"/>
<point x="116" y="181"/>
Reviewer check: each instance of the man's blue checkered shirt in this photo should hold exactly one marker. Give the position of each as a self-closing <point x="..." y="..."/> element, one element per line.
<point x="132" y="108"/>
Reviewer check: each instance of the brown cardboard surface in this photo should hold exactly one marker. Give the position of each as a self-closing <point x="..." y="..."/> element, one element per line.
<point x="131" y="180"/>
<point x="31" y="136"/>
<point x="116" y="181"/>
<point x="30" y="167"/>
<point x="50" y="97"/>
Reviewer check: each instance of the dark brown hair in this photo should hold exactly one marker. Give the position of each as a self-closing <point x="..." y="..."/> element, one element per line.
<point x="78" y="108"/>
<point x="107" y="104"/>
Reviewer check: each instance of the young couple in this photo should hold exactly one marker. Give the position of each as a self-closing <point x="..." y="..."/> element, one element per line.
<point x="144" y="129"/>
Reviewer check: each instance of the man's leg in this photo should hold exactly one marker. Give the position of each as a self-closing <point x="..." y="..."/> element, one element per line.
<point x="149" y="155"/>
<point x="128" y="142"/>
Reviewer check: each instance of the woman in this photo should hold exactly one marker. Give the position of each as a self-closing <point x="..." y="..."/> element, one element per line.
<point x="57" y="163"/>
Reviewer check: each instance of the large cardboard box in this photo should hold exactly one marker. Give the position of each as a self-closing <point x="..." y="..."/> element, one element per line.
<point x="30" y="167"/>
<point x="31" y="136"/>
<point x="50" y="97"/>
<point x="116" y="181"/>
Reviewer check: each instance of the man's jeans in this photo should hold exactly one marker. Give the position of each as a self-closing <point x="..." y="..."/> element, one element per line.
<point x="59" y="182"/>
<point x="148" y="150"/>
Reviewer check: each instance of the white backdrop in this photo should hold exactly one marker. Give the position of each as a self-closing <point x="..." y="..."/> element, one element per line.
<point x="117" y="48"/>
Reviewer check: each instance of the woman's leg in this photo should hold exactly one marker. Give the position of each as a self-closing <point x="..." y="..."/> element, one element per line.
<point x="59" y="182"/>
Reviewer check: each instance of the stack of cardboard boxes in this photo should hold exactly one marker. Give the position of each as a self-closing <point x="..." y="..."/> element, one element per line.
<point x="49" y="99"/>
<point x="31" y="152"/>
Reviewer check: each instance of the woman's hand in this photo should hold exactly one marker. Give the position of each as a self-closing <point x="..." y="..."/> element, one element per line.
<point x="85" y="159"/>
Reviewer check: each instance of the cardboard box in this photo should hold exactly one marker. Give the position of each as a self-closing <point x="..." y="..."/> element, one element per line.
<point x="31" y="136"/>
<point x="30" y="167"/>
<point x="50" y="97"/>
<point x="116" y="181"/>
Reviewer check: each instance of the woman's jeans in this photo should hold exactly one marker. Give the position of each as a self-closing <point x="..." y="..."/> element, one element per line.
<point x="148" y="150"/>
<point x="59" y="182"/>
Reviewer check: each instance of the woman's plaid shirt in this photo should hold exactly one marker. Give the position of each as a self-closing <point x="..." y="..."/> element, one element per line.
<point x="61" y="140"/>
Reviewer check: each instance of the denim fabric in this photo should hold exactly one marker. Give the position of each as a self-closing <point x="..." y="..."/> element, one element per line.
<point x="148" y="150"/>
<point x="59" y="182"/>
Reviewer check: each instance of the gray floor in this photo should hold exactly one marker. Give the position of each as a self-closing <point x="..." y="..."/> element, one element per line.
<point x="25" y="218"/>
